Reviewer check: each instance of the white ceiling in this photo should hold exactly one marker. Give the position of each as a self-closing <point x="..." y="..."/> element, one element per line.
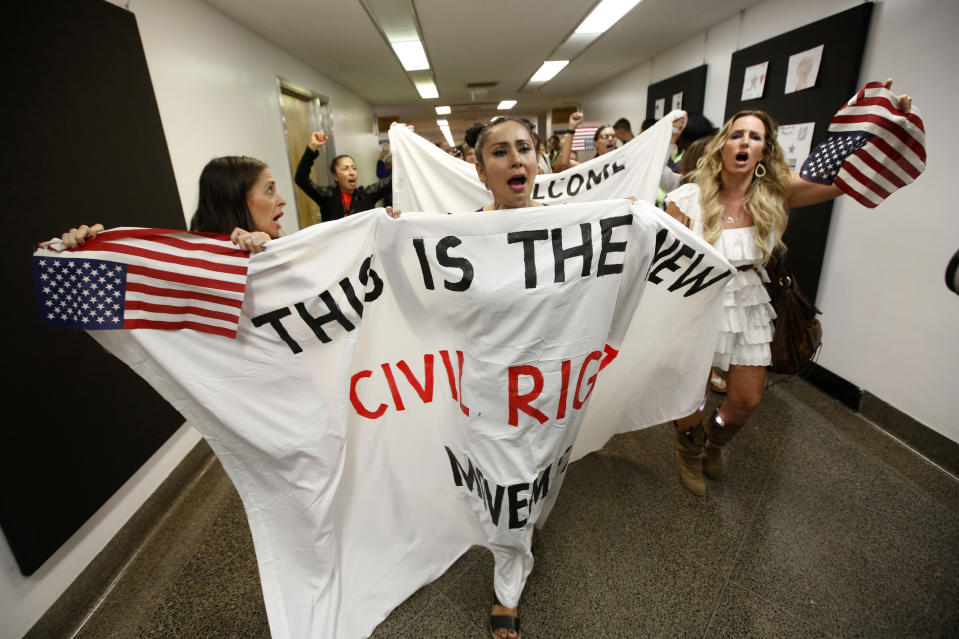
<point x="502" y="41"/>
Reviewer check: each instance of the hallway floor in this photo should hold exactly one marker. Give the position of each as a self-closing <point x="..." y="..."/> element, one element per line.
<point x="824" y="526"/>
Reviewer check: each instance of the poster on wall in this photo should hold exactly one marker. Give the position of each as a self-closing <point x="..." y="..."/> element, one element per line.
<point x="803" y="69"/>
<point x="660" y="109"/>
<point x="754" y="81"/>
<point x="677" y="101"/>
<point x="796" y="141"/>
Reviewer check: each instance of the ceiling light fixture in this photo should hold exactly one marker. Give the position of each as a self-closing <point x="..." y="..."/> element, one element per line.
<point x="427" y="90"/>
<point x="442" y="123"/>
<point x="445" y="130"/>
<point x="443" y="110"/>
<point x="505" y="105"/>
<point x="549" y="69"/>
<point x="606" y="14"/>
<point x="411" y="54"/>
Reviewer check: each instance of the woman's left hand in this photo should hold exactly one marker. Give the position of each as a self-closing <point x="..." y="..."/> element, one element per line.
<point x="905" y="101"/>
<point x="393" y="213"/>
<point x="253" y="242"/>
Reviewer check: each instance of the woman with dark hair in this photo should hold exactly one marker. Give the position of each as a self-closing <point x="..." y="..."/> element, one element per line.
<point x="506" y="162"/>
<point x="604" y="140"/>
<point x="236" y="193"/>
<point x="686" y="130"/>
<point x="344" y="197"/>
<point x="737" y="202"/>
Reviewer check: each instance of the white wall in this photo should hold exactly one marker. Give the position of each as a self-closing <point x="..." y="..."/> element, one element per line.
<point x="217" y="92"/>
<point x="889" y="323"/>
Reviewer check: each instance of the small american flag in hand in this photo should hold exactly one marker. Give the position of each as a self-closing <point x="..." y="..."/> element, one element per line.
<point x="872" y="147"/>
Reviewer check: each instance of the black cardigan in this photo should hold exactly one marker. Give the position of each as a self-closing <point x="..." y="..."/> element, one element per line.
<point x="328" y="197"/>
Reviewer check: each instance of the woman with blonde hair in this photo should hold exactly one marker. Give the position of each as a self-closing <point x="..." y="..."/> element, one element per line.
<point x="737" y="201"/>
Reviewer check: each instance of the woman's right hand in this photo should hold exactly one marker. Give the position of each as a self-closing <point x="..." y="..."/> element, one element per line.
<point x="246" y="241"/>
<point x="78" y="237"/>
<point x="575" y="120"/>
<point x="317" y="139"/>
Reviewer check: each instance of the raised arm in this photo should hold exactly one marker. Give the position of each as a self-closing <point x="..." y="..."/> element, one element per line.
<point x="563" y="161"/>
<point x="302" y="177"/>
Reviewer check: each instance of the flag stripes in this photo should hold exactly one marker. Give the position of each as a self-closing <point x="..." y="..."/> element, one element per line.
<point x="151" y="278"/>
<point x="872" y="148"/>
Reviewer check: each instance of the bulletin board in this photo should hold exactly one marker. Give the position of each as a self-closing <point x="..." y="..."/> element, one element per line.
<point x="843" y="37"/>
<point x="83" y="144"/>
<point x="691" y="84"/>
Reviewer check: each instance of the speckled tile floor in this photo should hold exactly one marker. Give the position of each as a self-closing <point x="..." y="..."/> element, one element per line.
<point x="824" y="526"/>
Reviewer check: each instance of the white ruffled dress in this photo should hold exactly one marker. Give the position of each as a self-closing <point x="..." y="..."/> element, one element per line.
<point x="746" y="327"/>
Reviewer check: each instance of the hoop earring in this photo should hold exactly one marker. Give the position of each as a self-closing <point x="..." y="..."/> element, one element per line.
<point x="759" y="174"/>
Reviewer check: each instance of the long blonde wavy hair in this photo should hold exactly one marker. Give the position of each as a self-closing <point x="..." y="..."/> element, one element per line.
<point x="766" y="196"/>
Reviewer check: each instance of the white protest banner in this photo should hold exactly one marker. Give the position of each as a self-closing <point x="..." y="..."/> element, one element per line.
<point x="427" y="179"/>
<point x="672" y="336"/>
<point x="400" y="390"/>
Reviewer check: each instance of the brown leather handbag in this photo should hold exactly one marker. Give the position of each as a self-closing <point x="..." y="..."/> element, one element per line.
<point x="798" y="334"/>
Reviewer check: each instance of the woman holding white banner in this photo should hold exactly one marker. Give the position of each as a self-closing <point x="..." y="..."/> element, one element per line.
<point x="737" y="201"/>
<point x="506" y="162"/>
<point x="236" y="193"/>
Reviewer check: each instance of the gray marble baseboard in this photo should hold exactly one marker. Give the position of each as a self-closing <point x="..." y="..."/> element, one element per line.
<point x="83" y="595"/>
<point x="936" y="447"/>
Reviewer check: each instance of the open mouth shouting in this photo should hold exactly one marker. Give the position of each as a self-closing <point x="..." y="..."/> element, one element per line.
<point x="517" y="183"/>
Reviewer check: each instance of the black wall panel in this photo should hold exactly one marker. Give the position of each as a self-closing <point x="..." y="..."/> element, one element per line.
<point x="83" y="143"/>
<point x="691" y="83"/>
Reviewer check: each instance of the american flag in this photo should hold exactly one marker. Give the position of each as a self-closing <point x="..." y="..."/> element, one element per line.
<point x="143" y="278"/>
<point x="872" y="147"/>
<point x="583" y="138"/>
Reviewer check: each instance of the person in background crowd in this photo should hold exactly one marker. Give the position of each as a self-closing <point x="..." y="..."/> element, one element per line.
<point x="624" y="131"/>
<point x="543" y="157"/>
<point x="384" y="169"/>
<point x="687" y="129"/>
<point x="604" y="140"/>
<point x="553" y="147"/>
<point x="344" y="197"/>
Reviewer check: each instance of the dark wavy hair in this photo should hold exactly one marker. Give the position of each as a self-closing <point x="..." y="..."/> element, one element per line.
<point x="697" y="126"/>
<point x="224" y="185"/>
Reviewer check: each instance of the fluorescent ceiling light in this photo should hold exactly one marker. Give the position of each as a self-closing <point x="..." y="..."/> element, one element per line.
<point x="443" y="110"/>
<point x="442" y="123"/>
<point x="606" y="14"/>
<point x="506" y="104"/>
<point x="427" y="90"/>
<point x="411" y="55"/>
<point x="549" y="69"/>
<point x="448" y="135"/>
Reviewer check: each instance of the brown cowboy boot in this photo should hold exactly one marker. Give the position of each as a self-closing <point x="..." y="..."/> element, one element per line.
<point x="718" y="434"/>
<point x="689" y="452"/>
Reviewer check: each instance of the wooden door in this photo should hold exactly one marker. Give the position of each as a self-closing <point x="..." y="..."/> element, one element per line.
<point x="296" y="118"/>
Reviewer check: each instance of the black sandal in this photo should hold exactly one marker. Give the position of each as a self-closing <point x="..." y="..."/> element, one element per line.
<point x="502" y="622"/>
